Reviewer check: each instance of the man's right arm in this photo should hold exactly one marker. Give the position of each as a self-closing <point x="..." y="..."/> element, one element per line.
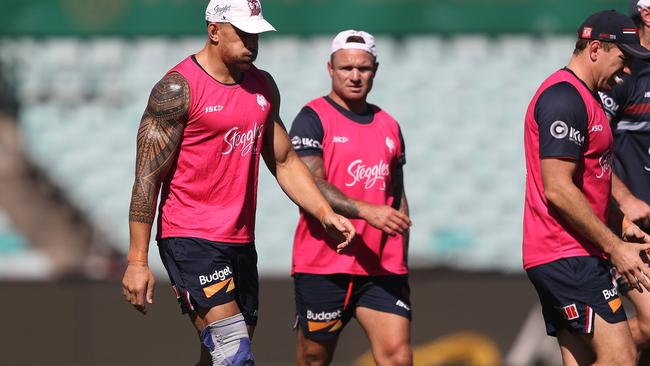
<point x="159" y="136"/>
<point x="382" y="217"/>
<point x="560" y="109"/>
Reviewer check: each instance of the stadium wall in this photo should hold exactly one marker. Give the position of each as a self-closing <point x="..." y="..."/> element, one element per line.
<point x="183" y="17"/>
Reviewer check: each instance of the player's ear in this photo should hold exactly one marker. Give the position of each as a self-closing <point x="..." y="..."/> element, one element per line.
<point x="645" y="17"/>
<point x="593" y="48"/>
<point x="330" y="67"/>
<point x="376" y="67"/>
<point x="213" y="32"/>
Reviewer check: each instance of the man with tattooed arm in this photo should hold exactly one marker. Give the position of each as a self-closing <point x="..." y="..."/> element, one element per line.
<point x="355" y="151"/>
<point x="206" y="124"/>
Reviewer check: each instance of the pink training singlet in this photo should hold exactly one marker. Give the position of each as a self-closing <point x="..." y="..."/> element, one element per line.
<point x="547" y="236"/>
<point x="211" y="191"/>
<point x="358" y="159"/>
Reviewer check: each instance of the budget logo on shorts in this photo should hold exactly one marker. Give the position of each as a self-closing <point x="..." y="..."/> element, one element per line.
<point x="615" y="302"/>
<point x="570" y="312"/>
<point x="223" y="279"/>
<point x="324" y="320"/>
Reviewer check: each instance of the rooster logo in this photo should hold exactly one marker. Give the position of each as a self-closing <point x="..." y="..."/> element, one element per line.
<point x="390" y="144"/>
<point x="256" y="7"/>
<point x="261" y="101"/>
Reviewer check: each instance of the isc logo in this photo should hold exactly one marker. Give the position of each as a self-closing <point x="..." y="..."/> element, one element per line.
<point x="213" y="108"/>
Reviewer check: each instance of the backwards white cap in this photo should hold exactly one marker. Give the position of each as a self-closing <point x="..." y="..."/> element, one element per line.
<point x="341" y="42"/>
<point x="243" y="14"/>
<point x="643" y="3"/>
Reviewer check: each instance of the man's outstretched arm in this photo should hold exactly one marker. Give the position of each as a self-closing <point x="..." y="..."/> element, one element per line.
<point x="296" y="180"/>
<point x="159" y="135"/>
<point x="388" y="219"/>
<point x="564" y="196"/>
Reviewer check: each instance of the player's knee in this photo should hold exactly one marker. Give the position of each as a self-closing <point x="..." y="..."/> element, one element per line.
<point x="228" y="342"/>
<point x="644" y="329"/>
<point x="315" y="357"/>
<point x="396" y="355"/>
<point x="624" y="356"/>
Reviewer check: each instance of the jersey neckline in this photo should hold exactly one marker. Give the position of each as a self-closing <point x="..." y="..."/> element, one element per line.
<point x="227" y="85"/>
<point x="363" y="119"/>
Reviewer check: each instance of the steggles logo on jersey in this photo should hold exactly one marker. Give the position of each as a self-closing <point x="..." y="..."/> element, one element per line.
<point x="246" y="140"/>
<point x="390" y="144"/>
<point x="324" y="320"/>
<point x="261" y="101"/>
<point x="605" y="163"/>
<point x="224" y="280"/>
<point x="371" y="174"/>
<point x="340" y="139"/>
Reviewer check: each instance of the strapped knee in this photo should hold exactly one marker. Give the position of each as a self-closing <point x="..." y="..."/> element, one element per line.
<point x="228" y="342"/>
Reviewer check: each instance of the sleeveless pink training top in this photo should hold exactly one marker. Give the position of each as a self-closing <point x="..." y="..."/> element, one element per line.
<point x="547" y="236"/>
<point x="211" y="191"/>
<point x="358" y="159"/>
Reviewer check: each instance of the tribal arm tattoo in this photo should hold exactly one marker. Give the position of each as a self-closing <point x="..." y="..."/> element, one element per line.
<point x="340" y="203"/>
<point x="159" y="135"/>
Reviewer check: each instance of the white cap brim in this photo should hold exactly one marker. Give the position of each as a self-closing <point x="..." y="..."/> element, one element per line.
<point x="254" y="26"/>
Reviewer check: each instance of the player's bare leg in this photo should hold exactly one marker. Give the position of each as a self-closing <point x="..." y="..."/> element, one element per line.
<point x="389" y="336"/>
<point x="313" y="353"/>
<point x="574" y="349"/>
<point x="610" y="345"/>
<point x="640" y="325"/>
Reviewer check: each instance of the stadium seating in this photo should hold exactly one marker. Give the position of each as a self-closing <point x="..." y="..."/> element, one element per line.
<point x="460" y="101"/>
<point x="17" y="260"/>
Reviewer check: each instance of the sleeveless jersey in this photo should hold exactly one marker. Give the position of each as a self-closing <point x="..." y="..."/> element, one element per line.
<point x="547" y="236"/>
<point x="358" y="159"/>
<point x="211" y="190"/>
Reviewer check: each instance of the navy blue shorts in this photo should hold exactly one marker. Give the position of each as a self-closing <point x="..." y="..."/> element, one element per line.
<point x="325" y="303"/>
<point x="205" y="274"/>
<point x="572" y="289"/>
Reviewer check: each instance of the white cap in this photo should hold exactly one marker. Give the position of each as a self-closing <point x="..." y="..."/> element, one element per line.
<point x="243" y="14"/>
<point x="340" y="42"/>
<point x="643" y="4"/>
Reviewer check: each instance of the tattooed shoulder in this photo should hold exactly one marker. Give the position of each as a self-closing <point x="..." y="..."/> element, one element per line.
<point x="159" y="136"/>
<point x="170" y="97"/>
